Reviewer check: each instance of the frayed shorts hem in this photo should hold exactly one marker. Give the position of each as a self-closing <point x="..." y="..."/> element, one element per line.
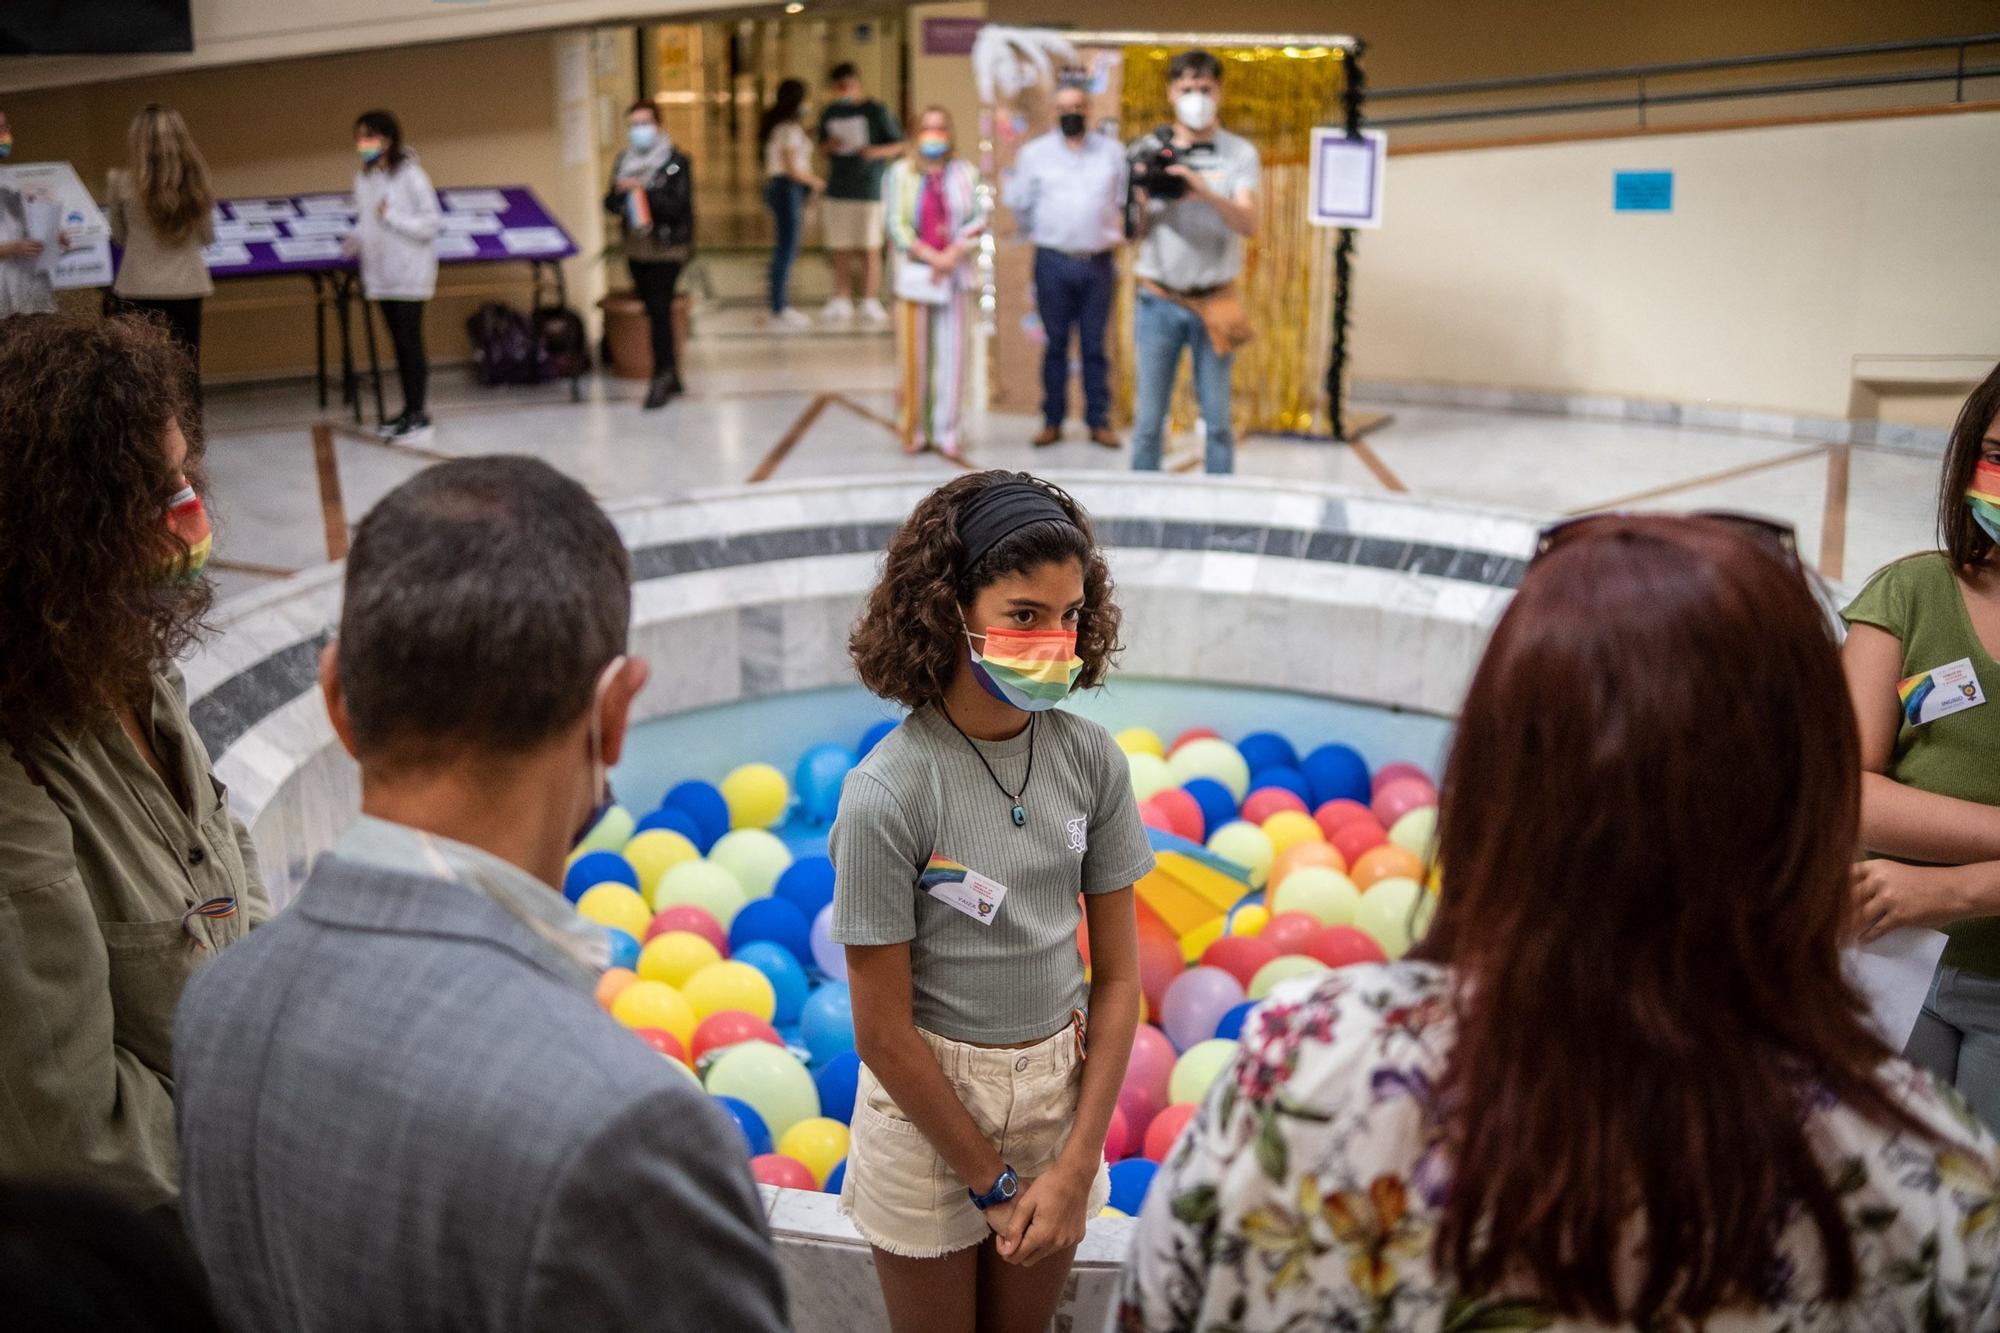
<point x="903" y="1250"/>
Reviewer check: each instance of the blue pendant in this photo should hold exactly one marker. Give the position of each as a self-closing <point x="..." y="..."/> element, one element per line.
<point x="1020" y="817"/>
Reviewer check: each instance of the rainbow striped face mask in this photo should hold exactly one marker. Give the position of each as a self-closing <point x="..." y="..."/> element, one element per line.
<point x="1032" y="669"/>
<point x="187" y="519"/>
<point x="1984" y="497"/>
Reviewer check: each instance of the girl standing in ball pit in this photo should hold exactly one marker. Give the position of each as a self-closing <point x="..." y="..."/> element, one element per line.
<point x="990" y="1066"/>
<point x="1920" y="655"/>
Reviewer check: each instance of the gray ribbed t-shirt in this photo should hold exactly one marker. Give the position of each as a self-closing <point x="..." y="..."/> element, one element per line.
<point x="921" y="800"/>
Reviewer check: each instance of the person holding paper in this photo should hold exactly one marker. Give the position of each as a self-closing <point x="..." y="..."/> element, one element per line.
<point x="26" y="279"/>
<point x="937" y="210"/>
<point x="652" y="192"/>
<point x="861" y="138"/>
<point x="1922" y="643"/>
<point x="395" y="233"/>
<point x="161" y="210"/>
<point x="1624" y="1081"/>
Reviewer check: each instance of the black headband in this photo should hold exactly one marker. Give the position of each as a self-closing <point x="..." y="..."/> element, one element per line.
<point x="998" y="511"/>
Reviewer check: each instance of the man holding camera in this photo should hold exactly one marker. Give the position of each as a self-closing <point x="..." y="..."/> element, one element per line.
<point x="1195" y="196"/>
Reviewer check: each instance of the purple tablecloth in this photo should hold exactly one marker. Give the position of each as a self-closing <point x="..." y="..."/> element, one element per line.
<point x="301" y="233"/>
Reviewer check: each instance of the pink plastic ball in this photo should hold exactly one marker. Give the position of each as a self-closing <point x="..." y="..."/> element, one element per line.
<point x="1395" y="772"/>
<point x="1166" y="1127"/>
<point x="1261" y="804"/>
<point x="1396" y="799"/>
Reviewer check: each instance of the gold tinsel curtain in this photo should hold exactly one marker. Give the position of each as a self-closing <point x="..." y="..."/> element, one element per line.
<point x="1272" y="96"/>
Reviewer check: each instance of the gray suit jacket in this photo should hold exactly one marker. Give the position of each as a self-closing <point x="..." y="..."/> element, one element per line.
<point x="396" y="1113"/>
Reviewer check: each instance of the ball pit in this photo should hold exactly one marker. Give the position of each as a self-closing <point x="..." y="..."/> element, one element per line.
<point x="755" y="856"/>
<point x="654" y="852"/>
<point x="702" y="884"/>
<point x="676" y="955"/>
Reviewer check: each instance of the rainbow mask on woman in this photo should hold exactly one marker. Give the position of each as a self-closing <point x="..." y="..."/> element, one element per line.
<point x="1032" y="669"/>
<point x="187" y="519"/>
<point x="1984" y="497"/>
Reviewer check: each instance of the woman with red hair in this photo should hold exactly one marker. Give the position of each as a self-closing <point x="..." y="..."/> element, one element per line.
<point x="1624" y="1081"/>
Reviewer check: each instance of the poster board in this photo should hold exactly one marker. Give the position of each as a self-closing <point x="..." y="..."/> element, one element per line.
<point x="60" y="213"/>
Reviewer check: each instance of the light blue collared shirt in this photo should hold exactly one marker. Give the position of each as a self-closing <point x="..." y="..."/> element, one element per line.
<point x="1070" y="198"/>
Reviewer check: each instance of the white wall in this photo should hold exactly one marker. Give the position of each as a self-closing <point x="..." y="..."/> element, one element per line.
<point x="1789" y="252"/>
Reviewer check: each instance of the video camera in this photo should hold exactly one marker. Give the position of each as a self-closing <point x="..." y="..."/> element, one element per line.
<point x="1149" y="157"/>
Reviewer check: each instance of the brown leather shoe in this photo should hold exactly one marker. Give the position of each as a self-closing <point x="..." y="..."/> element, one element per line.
<point x="1107" y="437"/>
<point x="1046" y="436"/>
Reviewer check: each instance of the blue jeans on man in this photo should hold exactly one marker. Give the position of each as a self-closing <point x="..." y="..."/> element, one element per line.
<point x="786" y="198"/>
<point x="1162" y="329"/>
<point x="1073" y="293"/>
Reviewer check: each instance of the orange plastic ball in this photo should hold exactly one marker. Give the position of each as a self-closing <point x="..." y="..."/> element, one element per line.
<point x="1386" y="862"/>
<point x="1305" y="854"/>
<point x="614" y="981"/>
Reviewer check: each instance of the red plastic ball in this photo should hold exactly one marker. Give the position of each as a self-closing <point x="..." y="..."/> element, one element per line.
<point x="1340" y="946"/>
<point x="1395" y="799"/>
<point x="1287" y="932"/>
<point x="1153" y="817"/>
<point x="692" y="919"/>
<point x="1166" y="1127"/>
<point x="1194" y="734"/>
<point x="1183" y="813"/>
<point x="1261" y="804"/>
<point x="1337" y="814"/>
<point x="666" y="1043"/>
<point x="790" y="1173"/>
<point x="1160" y="962"/>
<point x="1240" y="955"/>
<point x="1117" y="1137"/>
<point x="731" y="1027"/>
<point x="1395" y="772"/>
<point x="1359" y="837"/>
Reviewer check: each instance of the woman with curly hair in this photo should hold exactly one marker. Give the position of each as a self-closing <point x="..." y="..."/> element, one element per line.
<point x="121" y="868"/>
<point x="963" y="843"/>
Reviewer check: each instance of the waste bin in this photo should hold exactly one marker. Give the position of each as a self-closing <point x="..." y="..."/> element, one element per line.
<point x="628" y="334"/>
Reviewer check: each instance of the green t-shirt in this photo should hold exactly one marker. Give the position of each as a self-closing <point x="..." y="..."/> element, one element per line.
<point x="1918" y="600"/>
<point x="845" y="127"/>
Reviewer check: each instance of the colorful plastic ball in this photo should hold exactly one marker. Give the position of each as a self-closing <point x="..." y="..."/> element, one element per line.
<point x="615" y="905"/>
<point x="1152" y="817"/>
<point x="1130" y="1179"/>
<point x="1291" y="828"/>
<point x="1198" y="1067"/>
<point x="672" y="819"/>
<point x="787" y="975"/>
<point x="666" y="1043"/>
<point x="1287" y="932"/>
<point x="1336" y="815"/>
<point x="1322" y="893"/>
<point x="1283" y="779"/>
<point x="818" y="778"/>
<point x="1231" y="1025"/>
<point x="836" y="1178"/>
<point x="693" y="920"/>
<point x="1212" y="758"/>
<point x="1264" y="802"/>
<point x="1358" y="837"/>
<point x="828" y="956"/>
<point x="624" y="948"/>
<point x="614" y="980"/>
<point x="1218" y="807"/>
<point x="1386" y="862"/>
<point x="594" y="868"/>
<point x="757" y="795"/>
<point x="1167" y="1127"/>
<point x="1148" y="1071"/>
<point x="826" y="1024"/>
<point x="1150" y="775"/>
<point x="807" y="884"/>
<point x="1160" y="962"/>
<point x="873" y="737"/>
<point x="1343" y="946"/>
<point x="755" y="1134"/>
<point x="1302" y="854"/>
<point x="1398" y="798"/>
<point x="1416" y="832"/>
<point x="1240" y="956"/>
<point x="837" y="1080"/>
<point x="820" y="1142"/>
<point x="685" y="1070"/>
<point x="755" y="856"/>
<point x="1116" y="1137"/>
<point x="655" y="852"/>
<point x="655" y="1004"/>
<point x="1196" y="941"/>
<point x="730" y="985"/>
<point x="1395" y="913"/>
<point x="675" y="955"/>
<point x="705" y="805"/>
<point x="1191" y="735"/>
<point x="1249" y="919"/>
<point x="1196" y="1002"/>
<point x="770" y="1079"/>
<point x="1336" y="771"/>
<point x="1247" y="845"/>
<point x="701" y="884"/>
<point x="1389" y="773"/>
<point x="731" y="1027"/>
<point x="610" y="832"/>
<point x="773" y="920"/>
<point x="1183" y="813"/>
<point x="785" y="1172"/>
<point x="1267" y="749"/>
<point x="1108" y="1211"/>
<point x="1138" y="740"/>
<point x="1282" y="969"/>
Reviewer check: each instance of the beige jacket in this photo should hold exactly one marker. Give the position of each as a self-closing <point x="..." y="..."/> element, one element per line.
<point x="154" y="268"/>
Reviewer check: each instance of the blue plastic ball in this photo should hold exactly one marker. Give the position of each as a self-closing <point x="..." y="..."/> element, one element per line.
<point x="703" y="802"/>
<point x="1285" y="779"/>
<point x="836" y="1082"/>
<point x="817" y="781"/>
<point x="624" y="949"/>
<point x="827" y="1022"/>
<point x="1337" y="771"/>
<point x="807" y="884"/>
<point x="786" y="974"/>
<point x="1218" y="807"/>
<point x="594" y="868"/>
<point x="747" y="1120"/>
<point x="674" y="820"/>
<point x="873" y="737"/>
<point x="1267" y="749"/>
<point x="836" y="1177"/>
<point x="1230" y="1026"/>
<point x="775" y="920"/>
<point x="1130" y="1179"/>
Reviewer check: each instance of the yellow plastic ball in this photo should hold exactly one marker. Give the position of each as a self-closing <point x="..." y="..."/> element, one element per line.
<point x="1416" y="832"/>
<point x="1150" y="775"/>
<point x="1288" y="828"/>
<point x="1108" y="1211"/>
<point x="1250" y="919"/>
<point x="730" y="986"/>
<point x="1200" y="1065"/>
<point x="1245" y="844"/>
<point x="701" y="884"/>
<point x="615" y="905"/>
<point x="1395" y="913"/>
<point x="1211" y="758"/>
<point x="1195" y="943"/>
<point x="655" y="852"/>
<point x="676" y="955"/>
<point x="1321" y="892"/>
<point x="757" y="858"/>
<point x="655" y="1004"/>
<point x="1139" y="740"/>
<point x="818" y="1142"/>
<point x="610" y="833"/>
<point x="757" y="796"/>
<point x="1280" y="969"/>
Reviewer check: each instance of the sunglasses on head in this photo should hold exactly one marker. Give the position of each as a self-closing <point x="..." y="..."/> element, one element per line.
<point x="1777" y="536"/>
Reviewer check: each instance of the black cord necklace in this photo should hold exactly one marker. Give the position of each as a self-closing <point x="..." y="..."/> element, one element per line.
<point x="1019" y="811"/>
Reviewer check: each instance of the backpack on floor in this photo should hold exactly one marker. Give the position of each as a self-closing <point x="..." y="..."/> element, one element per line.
<point x="503" y="345"/>
<point x="562" y="341"/>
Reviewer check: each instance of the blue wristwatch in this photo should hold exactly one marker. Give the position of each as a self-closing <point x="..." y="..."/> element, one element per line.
<point x="1003" y="1191"/>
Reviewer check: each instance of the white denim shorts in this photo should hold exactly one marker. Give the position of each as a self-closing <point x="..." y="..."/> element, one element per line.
<point x="906" y="1199"/>
<point x="851" y="224"/>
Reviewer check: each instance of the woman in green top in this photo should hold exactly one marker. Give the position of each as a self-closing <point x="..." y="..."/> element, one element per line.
<point x="121" y="868"/>
<point x="1920" y="659"/>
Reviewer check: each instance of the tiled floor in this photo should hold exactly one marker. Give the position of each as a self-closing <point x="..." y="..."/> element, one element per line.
<point x="818" y="404"/>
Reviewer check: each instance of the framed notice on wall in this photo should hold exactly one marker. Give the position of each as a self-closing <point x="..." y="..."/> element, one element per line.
<point x="1346" y="189"/>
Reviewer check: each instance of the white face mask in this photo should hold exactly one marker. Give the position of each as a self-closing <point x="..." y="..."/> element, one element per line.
<point x="1195" y="110"/>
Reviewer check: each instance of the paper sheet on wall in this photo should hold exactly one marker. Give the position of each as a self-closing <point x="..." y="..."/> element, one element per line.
<point x="573" y="69"/>
<point x="576" y="134"/>
<point x="1894" y="975"/>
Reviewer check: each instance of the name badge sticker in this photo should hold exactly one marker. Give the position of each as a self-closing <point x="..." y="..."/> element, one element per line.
<point x="965" y="889"/>
<point x="1940" y="692"/>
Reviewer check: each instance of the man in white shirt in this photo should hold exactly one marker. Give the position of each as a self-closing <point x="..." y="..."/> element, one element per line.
<point x="1067" y="189"/>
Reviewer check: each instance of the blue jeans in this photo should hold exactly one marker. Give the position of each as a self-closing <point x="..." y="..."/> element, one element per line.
<point x="786" y="198"/>
<point x="1957" y="1038"/>
<point x="1075" y="294"/>
<point x="1162" y="328"/>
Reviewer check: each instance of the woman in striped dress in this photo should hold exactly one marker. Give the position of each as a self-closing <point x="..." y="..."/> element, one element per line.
<point x="937" y="211"/>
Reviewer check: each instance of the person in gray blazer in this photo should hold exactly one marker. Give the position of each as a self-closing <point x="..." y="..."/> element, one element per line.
<point x="403" y="1108"/>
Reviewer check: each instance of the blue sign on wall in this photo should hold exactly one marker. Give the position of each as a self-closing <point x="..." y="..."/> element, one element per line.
<point x="1642" y="191"/>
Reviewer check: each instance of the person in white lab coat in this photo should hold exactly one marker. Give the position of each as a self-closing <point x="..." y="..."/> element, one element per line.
<point x="395" y="236"/>
<point x="25" y="287"/>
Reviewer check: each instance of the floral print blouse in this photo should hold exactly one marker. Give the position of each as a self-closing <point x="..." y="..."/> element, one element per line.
<point x="1305" y="1193"/>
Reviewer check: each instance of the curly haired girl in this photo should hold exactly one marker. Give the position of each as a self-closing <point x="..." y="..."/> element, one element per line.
<point x="963" y="843"/>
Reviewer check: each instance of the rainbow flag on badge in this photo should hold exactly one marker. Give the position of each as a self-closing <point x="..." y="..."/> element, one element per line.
<point x="941" y="870"/>
<point x="1913" y="692"/>
<point x="1035" y="664"/>
<point x="638" y="210"/>
<point x="187" y="517"/>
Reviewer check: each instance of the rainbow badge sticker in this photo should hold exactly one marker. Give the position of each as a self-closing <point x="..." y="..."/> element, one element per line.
<point x="1940" y="692"/>
<point x="963" y="888"/>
